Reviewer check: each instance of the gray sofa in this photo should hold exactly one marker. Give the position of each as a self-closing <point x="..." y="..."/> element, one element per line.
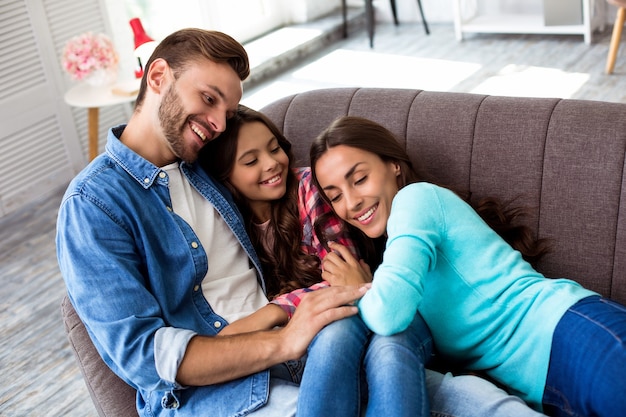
<point x="564" y="158"/>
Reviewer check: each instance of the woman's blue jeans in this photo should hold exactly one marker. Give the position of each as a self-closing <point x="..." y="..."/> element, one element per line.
<point x="587" y="372"/>
<point x="351" y="372"/>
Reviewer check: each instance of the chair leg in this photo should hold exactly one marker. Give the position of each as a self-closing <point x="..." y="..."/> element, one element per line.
<point x="615" y="39"/>
<point x="394" y="11"/>
<point x="419" y="5"/>
<point x="369" y="12"/>
<point x="344" y="13"/>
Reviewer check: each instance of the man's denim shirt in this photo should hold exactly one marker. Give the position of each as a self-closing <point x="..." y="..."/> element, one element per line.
<point x="132" y="266"/>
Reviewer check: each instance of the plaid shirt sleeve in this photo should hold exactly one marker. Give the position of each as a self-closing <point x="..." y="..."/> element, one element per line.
<point x="288" y="302"/>
<point x="312" y="206"/>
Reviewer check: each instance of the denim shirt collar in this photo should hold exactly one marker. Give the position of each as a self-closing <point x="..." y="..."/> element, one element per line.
<point x="142" y="170"/>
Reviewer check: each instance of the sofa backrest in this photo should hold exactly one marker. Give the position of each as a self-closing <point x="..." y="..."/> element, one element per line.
<point x="562" y="158"/>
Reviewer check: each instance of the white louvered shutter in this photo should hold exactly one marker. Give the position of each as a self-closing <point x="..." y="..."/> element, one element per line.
<point x="43" y="141"/>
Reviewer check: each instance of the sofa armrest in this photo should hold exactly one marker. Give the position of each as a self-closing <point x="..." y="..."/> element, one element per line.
<point x="111" y="396"/>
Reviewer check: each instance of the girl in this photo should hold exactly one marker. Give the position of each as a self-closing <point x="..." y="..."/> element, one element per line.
<point x="252" y="158"/>
<point x="558" y="345"/>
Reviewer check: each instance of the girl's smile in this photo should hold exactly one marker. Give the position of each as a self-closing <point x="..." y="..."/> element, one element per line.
<point x="260" y="168"/>
<point x="275" y="180"/>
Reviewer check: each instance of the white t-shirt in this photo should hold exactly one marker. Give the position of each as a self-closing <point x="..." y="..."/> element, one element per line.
<point x="230" y="286"/>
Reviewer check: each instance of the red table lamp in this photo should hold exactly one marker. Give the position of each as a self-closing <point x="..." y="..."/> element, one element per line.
<point x="144" y="45"/>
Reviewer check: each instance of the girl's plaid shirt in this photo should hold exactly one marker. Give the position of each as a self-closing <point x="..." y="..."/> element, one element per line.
<point x="312" y="206"/>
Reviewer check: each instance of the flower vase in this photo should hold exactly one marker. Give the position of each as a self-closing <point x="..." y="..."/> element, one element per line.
<point x="101" y="78"/>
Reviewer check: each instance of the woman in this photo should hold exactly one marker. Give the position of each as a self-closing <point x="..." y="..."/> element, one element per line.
<point x="556" y="344"/>
<point x="252" y="158"/>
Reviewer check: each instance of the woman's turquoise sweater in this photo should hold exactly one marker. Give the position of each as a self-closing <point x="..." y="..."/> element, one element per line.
<point x="486" y="307"/>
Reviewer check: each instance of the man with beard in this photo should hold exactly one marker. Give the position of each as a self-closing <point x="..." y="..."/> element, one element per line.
<point x="155" y="256"/>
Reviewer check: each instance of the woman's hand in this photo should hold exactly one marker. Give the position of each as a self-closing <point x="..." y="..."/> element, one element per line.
<point x="340" y="267"/>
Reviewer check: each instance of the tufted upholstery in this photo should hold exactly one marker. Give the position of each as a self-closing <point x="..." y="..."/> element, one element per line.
<point x="564" y="157"/>
<point x="111" y="396"/>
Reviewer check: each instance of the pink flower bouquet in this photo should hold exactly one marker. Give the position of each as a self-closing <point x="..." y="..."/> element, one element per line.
<point x="85" y="54"/>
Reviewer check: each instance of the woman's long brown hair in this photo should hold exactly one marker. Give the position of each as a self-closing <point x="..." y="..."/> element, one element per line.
<point x="364" y="134"/>
<point x="286" y="266"/>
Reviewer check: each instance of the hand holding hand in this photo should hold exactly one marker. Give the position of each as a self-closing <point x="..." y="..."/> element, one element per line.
<point x="316" y="310"/>
<point x="340" y="267"/>
<point x="266" y="318"/>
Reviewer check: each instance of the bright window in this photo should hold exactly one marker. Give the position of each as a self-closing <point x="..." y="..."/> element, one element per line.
<point x="244" y="20"/>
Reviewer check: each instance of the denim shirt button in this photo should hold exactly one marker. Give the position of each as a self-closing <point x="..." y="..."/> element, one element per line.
<point x="168" y="208"/>
<point x="146" y="180"/>
<point x="169" y="401"/>
<point x="162" y="175"/>
<point x="196" y="288"/>
<point x="217" y="324"/>
<point x="194" y="245"/>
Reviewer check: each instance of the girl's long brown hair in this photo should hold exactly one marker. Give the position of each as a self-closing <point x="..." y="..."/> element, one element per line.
<point x="286" y="266"/>
<point x="364" y="134"/>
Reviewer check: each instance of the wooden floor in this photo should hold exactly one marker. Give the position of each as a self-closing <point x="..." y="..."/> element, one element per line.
<point x="38" y="374"/>
<point x="405" y="57"/>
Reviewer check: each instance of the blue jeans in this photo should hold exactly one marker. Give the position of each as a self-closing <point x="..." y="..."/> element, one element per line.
<point x="351" y="372"/>
<point x="472" y="396"/>
<point x="450" y="396"/>
<point x="587" y="372"/>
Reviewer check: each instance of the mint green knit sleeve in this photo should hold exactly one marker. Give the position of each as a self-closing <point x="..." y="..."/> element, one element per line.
<point x="414" y="230"/>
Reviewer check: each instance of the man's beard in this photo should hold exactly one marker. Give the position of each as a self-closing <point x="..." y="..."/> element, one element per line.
<point x="173" y="122"/>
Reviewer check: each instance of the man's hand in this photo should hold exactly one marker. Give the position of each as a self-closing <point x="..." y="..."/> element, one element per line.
<point x="316" y="310"/>
<point x="341" y="268"/>
<point x="213" y="359"/>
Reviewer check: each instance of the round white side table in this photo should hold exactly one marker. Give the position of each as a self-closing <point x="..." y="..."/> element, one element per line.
<point x="92" y="98"/>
